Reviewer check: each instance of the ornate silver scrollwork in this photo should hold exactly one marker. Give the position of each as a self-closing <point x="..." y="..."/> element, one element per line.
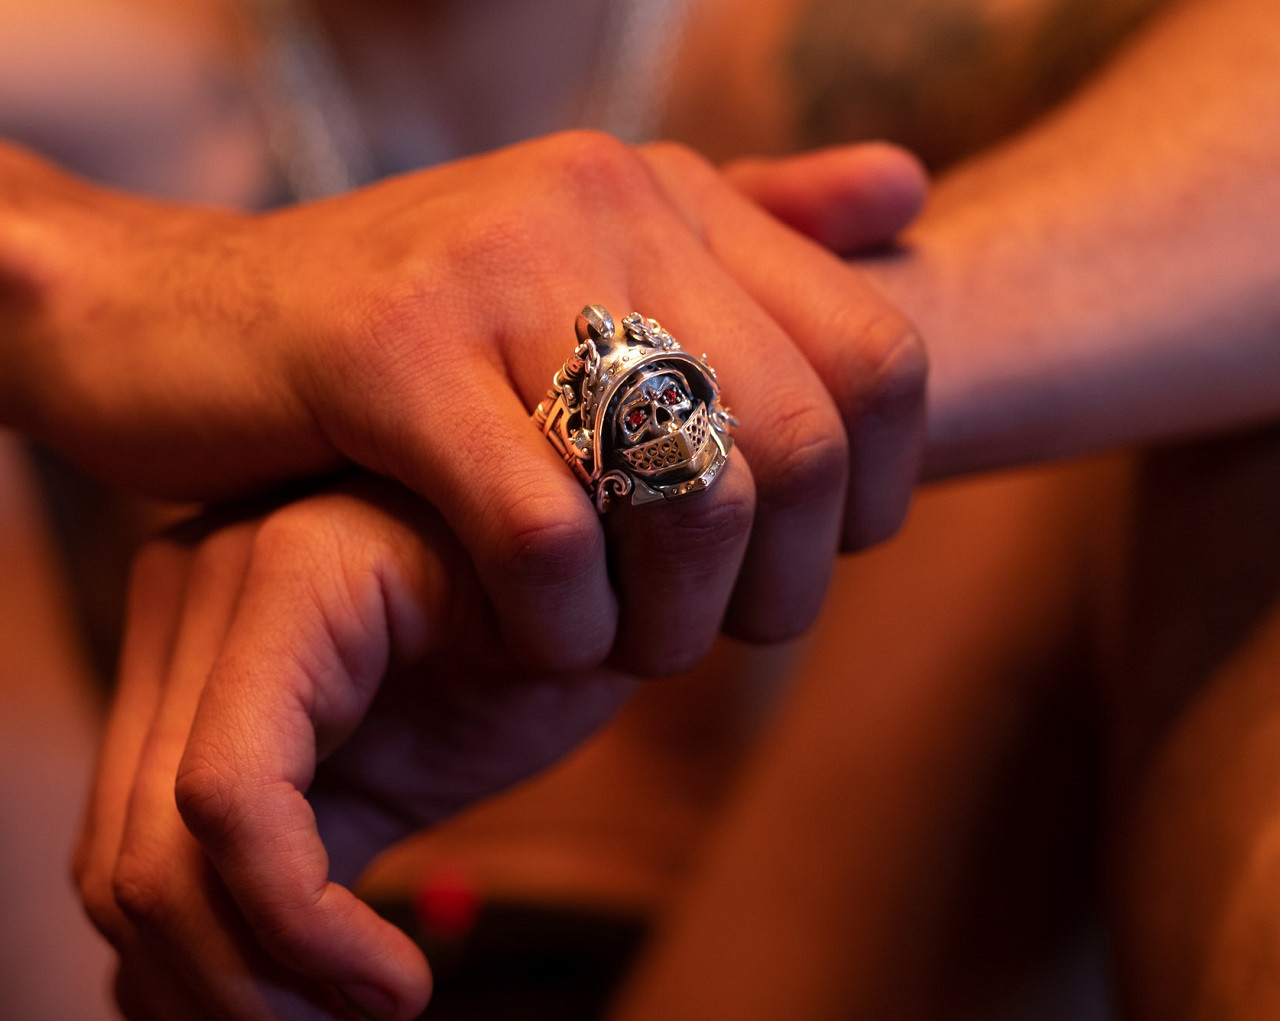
<point x="635" y="415"/>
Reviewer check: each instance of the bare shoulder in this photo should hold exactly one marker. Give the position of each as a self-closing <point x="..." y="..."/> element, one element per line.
<point x="942" y="76"/>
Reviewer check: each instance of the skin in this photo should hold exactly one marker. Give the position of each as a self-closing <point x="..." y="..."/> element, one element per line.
<point x="1129" y="320"/>
<point x="1107" y="276"/>
<point x="946" y="78"/>
<point x="1141" y="312"/>
<point x="934" y="74"/>
<point x="975" y="407"/>
<point x="183" y="357"/>
<point x="386" y="646"/>
<point x="264" y="337"/>
<point x="208" y="911"/>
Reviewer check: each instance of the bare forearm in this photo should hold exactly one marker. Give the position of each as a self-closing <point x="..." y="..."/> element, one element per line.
<point x="27" y="269"/>
<point x="116" y="312"/>
<point x="1111" y="276"/>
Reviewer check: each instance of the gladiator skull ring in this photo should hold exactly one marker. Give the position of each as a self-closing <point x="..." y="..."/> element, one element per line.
<point x="633" y="414"/>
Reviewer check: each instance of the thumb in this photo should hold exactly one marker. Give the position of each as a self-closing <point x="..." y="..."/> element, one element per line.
<point x="846" y="198"/>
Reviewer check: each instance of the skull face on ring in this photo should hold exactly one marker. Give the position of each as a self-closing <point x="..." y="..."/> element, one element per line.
<point x="634" y="414"/>
<point x="656" y="406"/>
<point x="660" y="427"/>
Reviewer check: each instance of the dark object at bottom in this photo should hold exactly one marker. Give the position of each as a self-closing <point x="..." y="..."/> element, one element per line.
<point x="526" y="962"/>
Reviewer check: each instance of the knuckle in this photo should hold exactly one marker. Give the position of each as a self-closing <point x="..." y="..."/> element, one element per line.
<point x="693" y="546"/>
<point x="881" y="375"/>
<point x="289" y="533"/>
<point x="303" y="544"/>
<point x="139" y="891"/>
<point x="901" y="377"/>
<point x="205" y="800"/>
<point x="289" y="551"/>
<point x="808" y="460"/>
<point x="883" y="389"/>
<point x="546" y="538"/>
<point x="688" y="177"/>
<point x="546" y="554"/>
<point x="595" y="165"/>
<point x="713" y="528"/>
<point x="337" y="570"/>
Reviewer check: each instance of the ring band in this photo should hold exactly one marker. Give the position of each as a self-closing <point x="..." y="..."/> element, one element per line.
<point x="633" y="414"/>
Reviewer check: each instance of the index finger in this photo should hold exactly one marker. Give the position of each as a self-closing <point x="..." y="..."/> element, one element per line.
<point x="312" y="635"/>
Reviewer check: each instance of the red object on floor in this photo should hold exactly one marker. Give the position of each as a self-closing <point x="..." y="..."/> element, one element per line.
<point x="448" y="903"/>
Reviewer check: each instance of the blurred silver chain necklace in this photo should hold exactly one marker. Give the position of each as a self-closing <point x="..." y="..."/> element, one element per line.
<point x="313" y="124"/>
<point x="637" y="54"/>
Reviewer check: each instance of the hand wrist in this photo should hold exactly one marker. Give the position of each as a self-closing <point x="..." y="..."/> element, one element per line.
<point x="79" y="264"/>
<point x="26" y="284"/>
<point x="39" y="247"/>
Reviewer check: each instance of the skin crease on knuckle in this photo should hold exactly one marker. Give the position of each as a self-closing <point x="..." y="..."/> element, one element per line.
<point x="882" y="391"/>
<point x="802" y="478"/>
<point x="206" y="798"/>
<point x="331" y="557"/>
<point x="545" y="542"/>
<point x="882" y="371"/>
<point x="808" y="458"/>
<point x="281" y="914"/>
<point x="716" y="525"/>
<point x="512" y="243"/>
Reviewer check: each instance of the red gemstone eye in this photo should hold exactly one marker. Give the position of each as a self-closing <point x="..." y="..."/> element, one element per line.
<point x="671" y="395"/>
<point x="636" y="418"/>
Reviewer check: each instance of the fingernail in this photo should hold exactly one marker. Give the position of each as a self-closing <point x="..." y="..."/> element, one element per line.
<point x="371" y="1001"/>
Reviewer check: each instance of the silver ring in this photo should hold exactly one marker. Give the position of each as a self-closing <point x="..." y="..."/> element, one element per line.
<point x="633" y="414"/>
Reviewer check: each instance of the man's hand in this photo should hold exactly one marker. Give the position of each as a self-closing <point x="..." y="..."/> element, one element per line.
<point x="410" y="327"/>
<point x="315" y="682"/>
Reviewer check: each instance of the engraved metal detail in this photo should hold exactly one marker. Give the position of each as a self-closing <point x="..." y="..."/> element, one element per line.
<point x="633" y="414"/>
